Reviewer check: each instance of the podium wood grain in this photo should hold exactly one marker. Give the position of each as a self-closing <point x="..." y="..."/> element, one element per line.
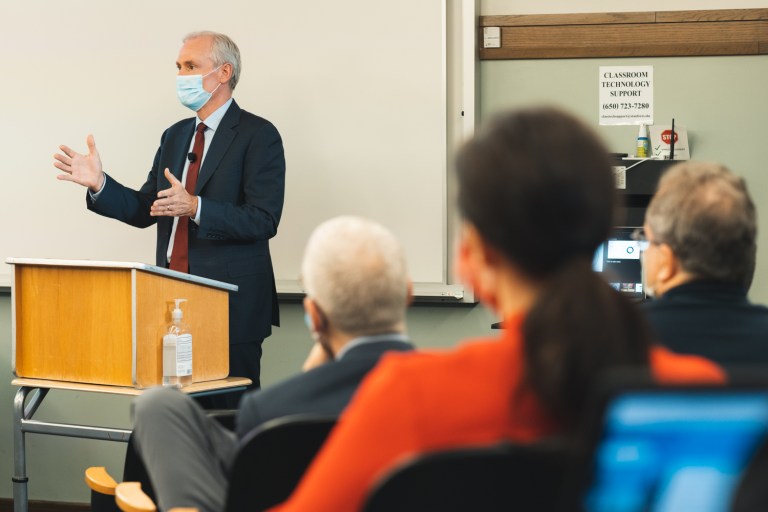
<point x="206" y="311"/>
<point x="105" y="325"/>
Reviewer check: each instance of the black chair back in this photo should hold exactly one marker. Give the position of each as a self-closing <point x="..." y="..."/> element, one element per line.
<point x="502" y="477"/>
<point x="272" y="459"/>
<point x="752" y="493"/>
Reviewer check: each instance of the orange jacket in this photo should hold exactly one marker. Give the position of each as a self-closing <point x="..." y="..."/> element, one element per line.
<point x="420" y="402"/>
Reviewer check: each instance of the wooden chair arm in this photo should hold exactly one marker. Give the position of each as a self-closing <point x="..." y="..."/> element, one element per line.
<point x="98" y="480"/>
<point x="130" y="498"/>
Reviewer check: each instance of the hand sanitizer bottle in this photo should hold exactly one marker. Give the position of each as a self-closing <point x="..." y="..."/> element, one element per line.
<point x="177" y="350"/>
<point x="643" y="142"/>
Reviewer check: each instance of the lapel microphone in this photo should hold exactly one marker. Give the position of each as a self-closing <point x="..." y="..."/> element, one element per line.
<point x="191" y="157"/>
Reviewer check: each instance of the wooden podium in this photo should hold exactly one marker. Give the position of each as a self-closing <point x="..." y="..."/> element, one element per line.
<point x="102" y="322"/>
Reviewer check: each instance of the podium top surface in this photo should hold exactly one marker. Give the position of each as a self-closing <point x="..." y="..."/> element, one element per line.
<point x="124" y="265"/>
<point x="198" y="387"/>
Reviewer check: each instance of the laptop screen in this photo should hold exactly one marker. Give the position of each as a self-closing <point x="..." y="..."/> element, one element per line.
<point x="674" y="450"/>
<point x="618" y="260"/>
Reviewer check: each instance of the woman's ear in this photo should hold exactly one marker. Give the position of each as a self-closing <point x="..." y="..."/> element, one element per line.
<point x="462" y="264"/>
<point x="477" y="265"/>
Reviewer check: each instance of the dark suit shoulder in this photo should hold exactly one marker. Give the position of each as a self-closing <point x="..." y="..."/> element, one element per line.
<point x="728" y="330"/>
<point x="323" y="390"/>
<point x="252" y="122"/>
<point x="246" y="120"/>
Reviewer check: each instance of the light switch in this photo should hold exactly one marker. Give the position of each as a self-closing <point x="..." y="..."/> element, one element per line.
<point x="492" y="37"/>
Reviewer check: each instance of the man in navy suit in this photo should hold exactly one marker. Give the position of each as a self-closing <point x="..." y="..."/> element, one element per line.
<point x="701" y="228"/>
<point x="219" y="228"/>
<point x="357" y="290"/>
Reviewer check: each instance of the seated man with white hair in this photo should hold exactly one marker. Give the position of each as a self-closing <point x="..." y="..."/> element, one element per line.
<point x="357" y="287"/>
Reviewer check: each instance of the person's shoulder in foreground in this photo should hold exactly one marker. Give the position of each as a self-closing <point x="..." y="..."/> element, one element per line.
<point x="324" y="390"/>
<point x="671" y="368"/>
<point x="430" y="400"/>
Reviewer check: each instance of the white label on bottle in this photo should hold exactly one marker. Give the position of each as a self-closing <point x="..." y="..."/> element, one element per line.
<point x="184" y="355"/>
<point x="169" y="355"/>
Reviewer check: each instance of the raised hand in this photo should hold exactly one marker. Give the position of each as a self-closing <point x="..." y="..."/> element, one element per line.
<point x="82" y="169"/>
<point x="174" y="201"/>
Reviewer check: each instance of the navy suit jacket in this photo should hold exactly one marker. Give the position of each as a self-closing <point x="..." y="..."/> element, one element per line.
<point x="711" y="319"/>
<point x="324" y="390"/>
<point x="242" y="184"/>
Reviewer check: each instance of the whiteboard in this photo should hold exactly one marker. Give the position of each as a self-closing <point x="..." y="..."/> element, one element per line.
<point x="357" y="90"/>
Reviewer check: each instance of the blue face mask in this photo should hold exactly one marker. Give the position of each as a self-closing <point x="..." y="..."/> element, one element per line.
<point x="308" y="322"/>
<point x="189" y="89"/>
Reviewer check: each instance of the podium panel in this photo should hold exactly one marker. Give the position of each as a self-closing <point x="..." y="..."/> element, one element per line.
<point x="103" y="322"/>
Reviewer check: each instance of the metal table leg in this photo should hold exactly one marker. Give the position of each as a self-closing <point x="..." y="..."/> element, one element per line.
<point x="20" y="413"/>
<point x="23" y="424"/>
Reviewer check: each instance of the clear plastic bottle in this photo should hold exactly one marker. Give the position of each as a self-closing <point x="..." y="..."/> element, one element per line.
<point x="643" y="142"/>
<point x="177" y="350"/>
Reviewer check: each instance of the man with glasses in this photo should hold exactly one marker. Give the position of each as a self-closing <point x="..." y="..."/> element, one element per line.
<point x="698" y="262"/>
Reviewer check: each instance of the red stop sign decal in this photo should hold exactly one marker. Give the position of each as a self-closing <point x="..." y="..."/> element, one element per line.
<point x="666" y="136"/>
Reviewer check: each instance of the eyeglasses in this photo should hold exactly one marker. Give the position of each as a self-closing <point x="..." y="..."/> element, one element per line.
<point x="638" y="235"/>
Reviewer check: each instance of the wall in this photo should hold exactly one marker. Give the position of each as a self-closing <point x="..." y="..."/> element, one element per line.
<point x="720" y="100"/>
<point x="501" y="7"/>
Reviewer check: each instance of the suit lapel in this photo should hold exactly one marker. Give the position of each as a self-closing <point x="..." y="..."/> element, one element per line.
<point x="222" y="139"/>
<point x="180" y="149"/>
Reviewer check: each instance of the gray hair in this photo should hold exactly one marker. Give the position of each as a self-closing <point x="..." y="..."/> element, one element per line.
<point x="354" y="269"/>
<point x="223" y="51"/>
<point x="705" y="214"/>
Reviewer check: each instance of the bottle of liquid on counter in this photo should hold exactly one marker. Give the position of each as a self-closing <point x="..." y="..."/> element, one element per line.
<point x="643" y="143"/>
<point x="177" y="350"/>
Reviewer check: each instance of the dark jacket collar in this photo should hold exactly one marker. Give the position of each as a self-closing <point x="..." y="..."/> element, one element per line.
<point x="712" y="290"/>
<point x="375" y="348"/>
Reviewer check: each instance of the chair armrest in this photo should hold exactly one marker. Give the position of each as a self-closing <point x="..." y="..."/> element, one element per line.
<point x="225" y="417"/>
<point x="98" y="480"/>
<point x="130" y="498"/>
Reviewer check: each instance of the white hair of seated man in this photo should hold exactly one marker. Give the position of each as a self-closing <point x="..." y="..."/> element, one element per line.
<point x="355" y="272"/>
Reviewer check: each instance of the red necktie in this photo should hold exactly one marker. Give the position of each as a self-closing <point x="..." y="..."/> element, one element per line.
<point x="180" y="254"/>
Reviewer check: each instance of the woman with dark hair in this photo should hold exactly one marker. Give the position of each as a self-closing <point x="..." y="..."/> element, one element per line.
<point x="537" y="197"/>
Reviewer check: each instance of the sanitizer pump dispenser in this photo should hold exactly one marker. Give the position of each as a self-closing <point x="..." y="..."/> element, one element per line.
<point x="643" y="142"/>
<point x="177" y="350"/>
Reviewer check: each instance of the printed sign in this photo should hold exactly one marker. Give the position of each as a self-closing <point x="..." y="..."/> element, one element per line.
<point x="661" y="138"/>
<point x="626" y="95"/>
